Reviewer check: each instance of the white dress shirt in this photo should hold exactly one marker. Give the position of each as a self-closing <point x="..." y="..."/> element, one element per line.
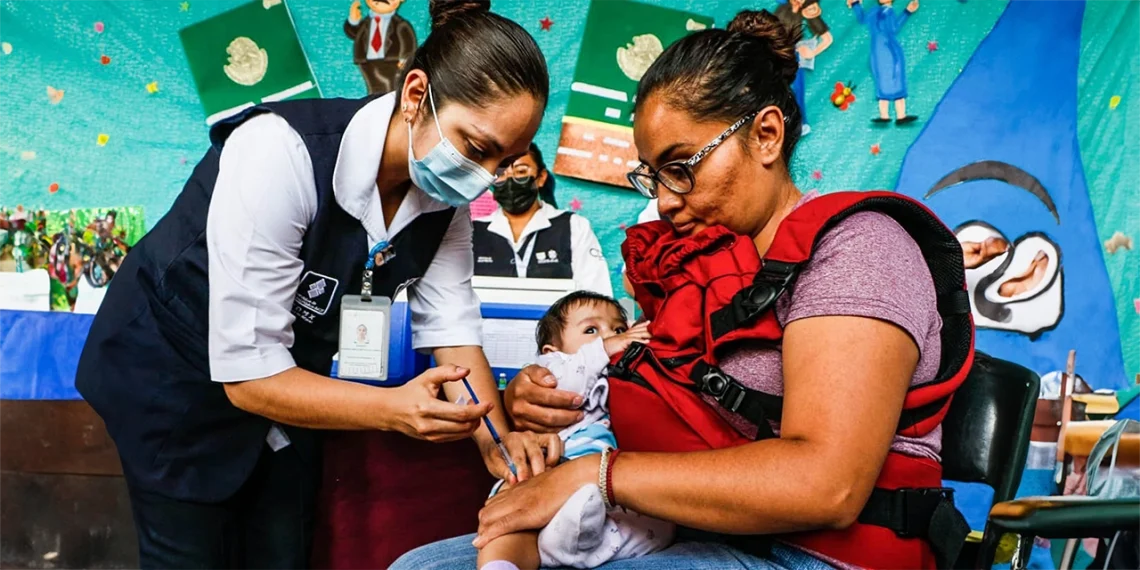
<point x="591" y="272"/>
<point x="264" y="199"/>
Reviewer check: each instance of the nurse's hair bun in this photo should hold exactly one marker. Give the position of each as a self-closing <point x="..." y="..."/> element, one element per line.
<point x="781" y="41"/>
<point x="444" y="11"/>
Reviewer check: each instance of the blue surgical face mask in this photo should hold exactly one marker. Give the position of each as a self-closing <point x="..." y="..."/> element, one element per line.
<point x="444" y="173"/>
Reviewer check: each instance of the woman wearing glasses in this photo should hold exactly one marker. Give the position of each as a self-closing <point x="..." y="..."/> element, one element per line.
<point x="527" y="236"/>
<point x="716" y="125"/>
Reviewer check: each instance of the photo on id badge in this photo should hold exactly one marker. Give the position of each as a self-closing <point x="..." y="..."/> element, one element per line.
<point x="363" y="338"/>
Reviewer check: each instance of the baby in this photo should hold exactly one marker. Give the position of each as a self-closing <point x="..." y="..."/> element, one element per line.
<point x="577" y="336"/>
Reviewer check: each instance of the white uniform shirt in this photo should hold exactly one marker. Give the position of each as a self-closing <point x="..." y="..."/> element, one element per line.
<point x="265" y="198"/>
<point x="591" y="272"/>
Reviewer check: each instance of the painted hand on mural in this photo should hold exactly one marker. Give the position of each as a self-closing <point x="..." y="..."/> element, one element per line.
<point x="912" y="7"/>
<point x="383" y="42"/>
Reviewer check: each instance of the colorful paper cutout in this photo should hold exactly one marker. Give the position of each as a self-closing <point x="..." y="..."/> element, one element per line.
<point x="575" y="204"/>
<point x="152" y="87"/>
<point x="546" y="22"/>
<point x="382" y="42"/>
<point x="817" y="175"/>
<point x="843" y="96"/>
<point x="230" y="58"/>
<point x="53" y="188"/>
<point x="888" y="65"/>
<point x="184" y="7"/>
<point x="1114" y="102"/>
<point x="28" y="155"/>
<point x="6" y="48"/>
<point x="98" y="27"/>
<point x="1116" y="242"/>
<point x="105" y="60"/>
<point x="54" y="95"/>
<point x="102" y="139"/>
<point x="596" y="142"/>
<point x="876" y="149"/>
<point x="931" y="46"/>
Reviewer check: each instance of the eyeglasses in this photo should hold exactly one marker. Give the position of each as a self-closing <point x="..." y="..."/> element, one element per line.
<point x="517" y="170"/>
<point x="678" y="174"/>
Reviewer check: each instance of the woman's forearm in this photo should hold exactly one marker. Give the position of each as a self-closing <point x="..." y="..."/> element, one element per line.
<point x="301" y="398"/>
<point x="766" y="487"/>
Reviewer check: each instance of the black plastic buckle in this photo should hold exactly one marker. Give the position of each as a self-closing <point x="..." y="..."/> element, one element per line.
<point x="767" y="286"/>
<point x="916" y="507"/>
<point x="727" y="391"/>
<point x="621" y="369"/>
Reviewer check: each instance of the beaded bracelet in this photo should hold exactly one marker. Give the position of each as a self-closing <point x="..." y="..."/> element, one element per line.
<point x="603" y="481"/>
<point x="612" y="501"/>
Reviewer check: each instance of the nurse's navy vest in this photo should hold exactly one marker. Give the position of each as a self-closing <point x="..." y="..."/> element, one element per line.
<point x="551" y="258"/>
<point x="145" y="366"/>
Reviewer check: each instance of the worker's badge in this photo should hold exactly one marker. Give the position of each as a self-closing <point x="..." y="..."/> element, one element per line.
<point x="364" y="333"/>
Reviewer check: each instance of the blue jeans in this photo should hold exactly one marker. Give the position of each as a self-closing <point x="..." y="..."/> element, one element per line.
<point x="457" y="553"/>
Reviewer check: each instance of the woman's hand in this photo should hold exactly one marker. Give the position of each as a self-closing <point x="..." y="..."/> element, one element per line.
<point x="535" y="404"/>
<point x="416" y="410"/>
<point x="531" y="452"/>
<point x="532" y="504"/>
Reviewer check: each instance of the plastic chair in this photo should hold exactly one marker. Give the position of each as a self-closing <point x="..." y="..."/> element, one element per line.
<point x="985" y="437"/>
<point x="1109" y="511"/>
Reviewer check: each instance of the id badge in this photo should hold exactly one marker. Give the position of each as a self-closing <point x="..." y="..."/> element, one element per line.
<point x="364" y="327"/>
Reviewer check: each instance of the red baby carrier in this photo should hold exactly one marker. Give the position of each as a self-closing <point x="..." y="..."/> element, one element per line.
<point x="706" y="292"/>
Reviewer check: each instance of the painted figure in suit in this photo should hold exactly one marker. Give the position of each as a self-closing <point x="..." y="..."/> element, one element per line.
<point x="383" y="42"/>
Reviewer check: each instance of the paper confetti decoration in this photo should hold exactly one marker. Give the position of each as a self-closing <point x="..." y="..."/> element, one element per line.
<point x="817" y="175"/>
<point x="6" y="48"/>
<point x="105" y="60"/>
<point x="546" y="22"/>
<point x="152" y="87"/>
<point x="28" y="155"/>
<point x="53" y="188"/>
<point x="1113" y="102"/>
<point x="876" y="149"/>
<point x="184" y="7"/>
<point x="931" y="46"/>
<point x="621" y="226"/>
<point x="54" y="95"/>
<point x="1117" y="241"/>
<point x="98" y="27"/>
<point x="843" y="96"/>
<point x="1136" y="305"/>
<point x="575" y="204"/>
<point x="102" y="140"/>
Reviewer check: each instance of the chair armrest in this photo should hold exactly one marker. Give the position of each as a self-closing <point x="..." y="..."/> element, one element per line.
<point x="1067" y="517"/>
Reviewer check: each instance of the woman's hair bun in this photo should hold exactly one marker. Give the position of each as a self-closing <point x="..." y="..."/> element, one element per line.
<point x="444" y="11"/>
<point x="781" y="40"/>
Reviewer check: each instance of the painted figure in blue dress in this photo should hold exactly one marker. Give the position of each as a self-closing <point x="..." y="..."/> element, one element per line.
<point x="888" y="66"/>
<point x="796" y="15"/>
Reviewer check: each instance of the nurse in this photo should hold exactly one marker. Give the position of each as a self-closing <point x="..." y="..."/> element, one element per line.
<point x="208" y="359"/>
<point x="527" y="237"/>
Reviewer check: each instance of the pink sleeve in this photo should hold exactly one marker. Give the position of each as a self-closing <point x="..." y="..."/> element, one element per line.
<point x="867" y="266"/>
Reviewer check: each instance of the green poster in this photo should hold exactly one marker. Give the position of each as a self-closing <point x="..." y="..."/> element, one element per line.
<point x="247" y="56"/>
<point x="622" y="38"/>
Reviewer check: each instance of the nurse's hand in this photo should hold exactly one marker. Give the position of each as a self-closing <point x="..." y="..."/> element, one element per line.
<point x="531" y="453"/>
<point x="417" y="411"/>
<point x="536" y="404"/>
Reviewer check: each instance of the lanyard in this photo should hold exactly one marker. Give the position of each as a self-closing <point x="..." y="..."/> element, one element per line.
<point x="383" y="250"/>
<point x="523" y="263"/>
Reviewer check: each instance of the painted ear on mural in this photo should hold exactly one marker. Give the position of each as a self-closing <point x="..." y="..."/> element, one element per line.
<point x="383" y="43"/>
<point x="1013" y="286"/>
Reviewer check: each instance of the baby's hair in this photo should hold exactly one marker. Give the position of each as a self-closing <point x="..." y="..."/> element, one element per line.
<point x="550" y="326"/>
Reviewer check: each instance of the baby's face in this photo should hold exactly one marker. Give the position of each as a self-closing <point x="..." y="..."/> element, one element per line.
<point x="586" y="323"/>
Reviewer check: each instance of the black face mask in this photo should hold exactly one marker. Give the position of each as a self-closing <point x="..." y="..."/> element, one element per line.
<point x="515" y="196"/>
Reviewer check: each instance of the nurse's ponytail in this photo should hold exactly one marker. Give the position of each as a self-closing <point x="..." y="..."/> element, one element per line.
<point x="473" y="56"/>
<point x="724" y="75"/>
